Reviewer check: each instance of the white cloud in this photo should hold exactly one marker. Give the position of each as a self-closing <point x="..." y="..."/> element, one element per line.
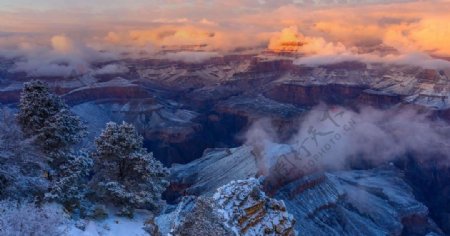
<point x="415" y="59"/>
<point x="60" y="56"/>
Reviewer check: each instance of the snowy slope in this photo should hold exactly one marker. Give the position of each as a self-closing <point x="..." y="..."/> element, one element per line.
<point x="113" y="226"/>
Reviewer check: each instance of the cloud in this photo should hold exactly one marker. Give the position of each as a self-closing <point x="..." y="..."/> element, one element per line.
<point x="287" y="40"/>
<point x="172" y="36"/>
<point x="60" y="56"/>
<point x="290" y="40"/>
<point x="205" y="21"/>
<point x="171" y="21"/>
<point x="62" y="44"/>
<point x="334" y="138"/>
<point x="318" y="30"/>
<point x="427" y="35"/>
<point x="188" y="37"/>
<point x="415" y="59"/>
<point x="317" y="51"/>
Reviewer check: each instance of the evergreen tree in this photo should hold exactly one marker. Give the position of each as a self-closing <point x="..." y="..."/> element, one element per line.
<point x="46" y="117"/>
<point x="61" y="131"/>
<point x="125" y="173"/>
<point x="69" y="185"/>
<point x="37" y="105"/>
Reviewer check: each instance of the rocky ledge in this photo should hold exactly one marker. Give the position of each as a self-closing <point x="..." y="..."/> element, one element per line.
<point x="355" y="202"/>
<point x="365" y="202"/>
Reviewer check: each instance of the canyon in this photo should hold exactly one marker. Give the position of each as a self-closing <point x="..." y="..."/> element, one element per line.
<point x="193" y="117"/>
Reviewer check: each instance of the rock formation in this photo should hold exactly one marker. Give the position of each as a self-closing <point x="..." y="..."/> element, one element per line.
<point x="249" y="211"/>
<point x="369" y="202"/>
<point x="217" y="167"/>
<point x="237" y="208"/>
<point x="354" y="202"/>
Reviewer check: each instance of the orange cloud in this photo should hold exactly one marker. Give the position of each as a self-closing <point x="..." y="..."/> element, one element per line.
<point x="290" y="40"/>
<point x="62" y="44"/>
<point x="113" y="37"/>
<point x="168" y="36"/>
<point x="187" y="38"/>
<point x="224" y="26"/>
<point x="430" y="35"/>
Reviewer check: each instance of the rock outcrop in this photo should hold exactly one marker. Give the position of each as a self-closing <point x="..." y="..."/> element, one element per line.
<point x="237" y="208"/>
<point x="217" y="167"/>
<point x="255" y="107"/>
<point x="310" y="95"/>
<point x="249" y="211"/>
<point x="354" y="202"/>
<point x="367" y="202"/>
<point x="199" y="216"/>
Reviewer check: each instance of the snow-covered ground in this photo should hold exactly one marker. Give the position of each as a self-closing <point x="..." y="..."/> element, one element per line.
<point x="113" y="226"/>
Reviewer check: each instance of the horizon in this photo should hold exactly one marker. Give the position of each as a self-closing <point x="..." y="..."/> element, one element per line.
<point x="318" y="32"/>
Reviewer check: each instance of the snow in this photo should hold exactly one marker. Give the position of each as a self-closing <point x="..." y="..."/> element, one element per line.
<point x="250" y="212"/>
<point x="116" y="82"/>
<point x="165" y="222"/>
<point x="113" y="226"/>
<point x="217" y="167"/>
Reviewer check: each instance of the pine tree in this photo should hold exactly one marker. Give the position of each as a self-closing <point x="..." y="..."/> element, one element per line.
<point x="61" y="131"/>
<point x="47" y="120"/>
<point x="69" y="185"/>
<point x="37" y="105"/>
<point x="125" y="173"/>
<point x="46" y="117"/>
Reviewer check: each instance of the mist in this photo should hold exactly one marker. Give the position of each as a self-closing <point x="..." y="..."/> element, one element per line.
<point x="335" y="138"/>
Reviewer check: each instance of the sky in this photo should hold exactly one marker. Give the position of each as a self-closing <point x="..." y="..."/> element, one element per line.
<point x="322" y="31"/>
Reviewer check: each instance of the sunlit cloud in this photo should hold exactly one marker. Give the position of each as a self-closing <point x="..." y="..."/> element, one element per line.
<point x="290" y="40"/>
<point x="317" y="31"/>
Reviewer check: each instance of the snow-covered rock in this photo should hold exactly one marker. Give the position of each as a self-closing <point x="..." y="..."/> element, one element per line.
<point x="249" y="211"/>
<point x="237" y="208"/>
<point x="354" y="202"/>
<point x="366" y="202"/>
<point x="198" y="216"/>
<point x="217" y="167"/>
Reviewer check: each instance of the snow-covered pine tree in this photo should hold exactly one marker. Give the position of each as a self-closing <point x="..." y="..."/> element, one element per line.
<point x="69" y="186"/>
<point x="46" y="117"/>
<point x="125" y="173"/>
<point x="37" y="104"/>
<point x="61" y="131"/>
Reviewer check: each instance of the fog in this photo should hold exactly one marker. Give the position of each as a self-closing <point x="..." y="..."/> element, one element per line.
<point x="333" y="138"/>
